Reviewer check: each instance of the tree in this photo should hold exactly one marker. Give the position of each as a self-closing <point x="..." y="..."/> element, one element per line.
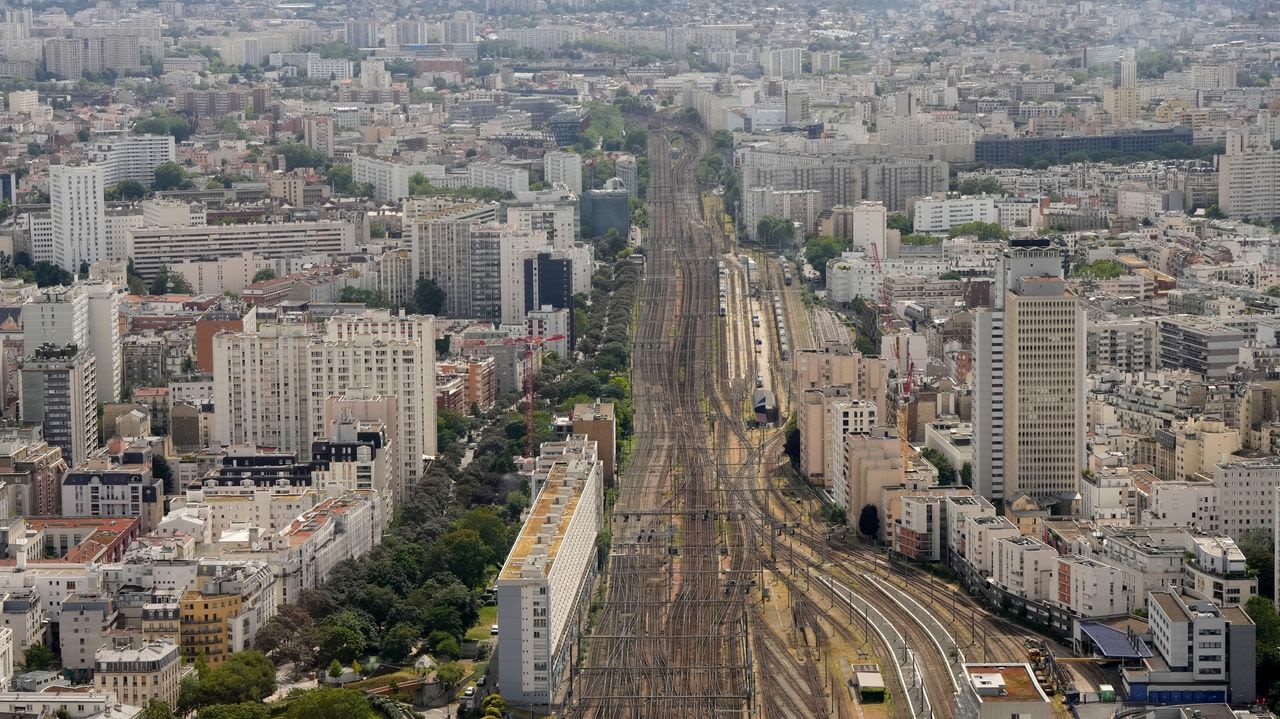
<point x="900" y="222"/>
<point x="428" y="297"/>
<point x="164" y="123"/>
<point x="178" y="284"/>
<point x="264" y="274"/>
<point x="980" y="186"/>
<point x="966" y="474"/>
<point x="399" y="642"/>
<point x="372" y="298"/>
<point x="946" y="472"/>
<point x="170" y="176"/>
<point x="244" y="676"/>
<point x="1103" y="270"/>
<point x="330" y="703"/>
<point x="297" y="155"/>
<point x="444" y="645"/>
<point x="156" y="709"/>
<point x="1259" y="555"/>
<point x="38" y="657"/>
<point x="48" y="274"/>
<point x="160" y="283"/>
<point x="340" y="643"/>
<point x="822" y="249"/>
<point x="127" y="190"/>
<point x="869" y="522"/>
<point x="466" y="555"/>
<point x="985" y="231"/>
<point x="243" y="710"/>
<point x="356" y="668"/>
<point x="449" y="674"/>
<point x="335" y="669"/>
<point x="772" y="230"/>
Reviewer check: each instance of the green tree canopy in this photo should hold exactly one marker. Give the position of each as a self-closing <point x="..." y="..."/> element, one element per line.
<point x="164" y="123"/>
<point x="38" y="657"/>
<point x="869" y="521"/>
<point x="126" y="190"/>
<point x="428" y="297"/>
<point x="775" y="231"/>
<point x="329" y="703"/>
<point x="822" y="249"/>
<point x="170" y="176"/>
<point x="264" y="274"/>
<point x="985" y="231"/>
<point x="1103" y="270"/>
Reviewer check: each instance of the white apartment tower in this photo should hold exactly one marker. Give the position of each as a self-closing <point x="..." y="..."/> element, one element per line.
<point x="271" y="384"/>
<point x="1249" y="177"/>
<point x="86" y="316"/>
<point x="564" y="168"/>
<point x="1029" y="361"/>
<point x="79" y="215"/>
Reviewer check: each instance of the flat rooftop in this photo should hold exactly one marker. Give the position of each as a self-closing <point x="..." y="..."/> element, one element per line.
<point x="536" y="547"/>
<point x="1019" y="684"/>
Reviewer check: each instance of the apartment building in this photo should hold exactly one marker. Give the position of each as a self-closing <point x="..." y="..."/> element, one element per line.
<point x="79" y="215"/>
<point x="271" y="385"/>
<point x="1203" y="653"/>
<point x="138" y="676"/>
<point x="1204" y="346"/>
<point x="546" y="579"/>
<point x="155" y="247"/>
<point x="1124" y="345"/>
<point x="558" y="218"/>
<point x="83" y="623"/>
<point x="85" y="315"/>
<point x="1216" y="570"/>
<point x="390" y="176"/>
<point x="132" y="157"/>
<point x="115" y="481"/>
<point x="59" y="391"/>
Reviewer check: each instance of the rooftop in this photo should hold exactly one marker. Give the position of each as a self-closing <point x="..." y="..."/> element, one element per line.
<point x="543" y="531"/>
<point x="1004" y="683"/>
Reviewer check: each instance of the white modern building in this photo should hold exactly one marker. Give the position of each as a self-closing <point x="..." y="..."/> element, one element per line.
<point x="257" y="374"/>
<point x="564" y="168"/>
<point x="545" y="584"/>
<point x="79" y="215"/>
<point x="132" y="157"/>
<point x="390" y="176"/>
<point x="154" y="247"/>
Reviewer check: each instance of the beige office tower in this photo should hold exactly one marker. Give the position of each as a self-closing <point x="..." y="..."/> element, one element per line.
<point x="1029" y="365"/>
<point x="1044" y="328"/>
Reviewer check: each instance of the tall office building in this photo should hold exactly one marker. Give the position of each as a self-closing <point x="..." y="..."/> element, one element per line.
<point x="79" y="215"/>
<point x="59" y="392"/>
<point x="1029" y="363"/>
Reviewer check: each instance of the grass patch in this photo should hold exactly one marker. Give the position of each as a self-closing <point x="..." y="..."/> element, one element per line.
<point x="488" y="617"/>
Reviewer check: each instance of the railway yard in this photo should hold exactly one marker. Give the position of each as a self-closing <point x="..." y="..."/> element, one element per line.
<point x="726" y="592"/>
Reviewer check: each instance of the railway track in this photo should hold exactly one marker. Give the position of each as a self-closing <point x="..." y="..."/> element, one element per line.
<point x="703" y="517"/>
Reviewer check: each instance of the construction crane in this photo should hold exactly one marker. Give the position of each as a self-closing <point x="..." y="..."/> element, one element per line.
<point x="884" y="290"/>
<point x="531" y="344"/>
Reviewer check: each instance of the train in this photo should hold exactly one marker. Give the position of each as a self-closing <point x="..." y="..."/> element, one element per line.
<point x="784" y="337"/>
